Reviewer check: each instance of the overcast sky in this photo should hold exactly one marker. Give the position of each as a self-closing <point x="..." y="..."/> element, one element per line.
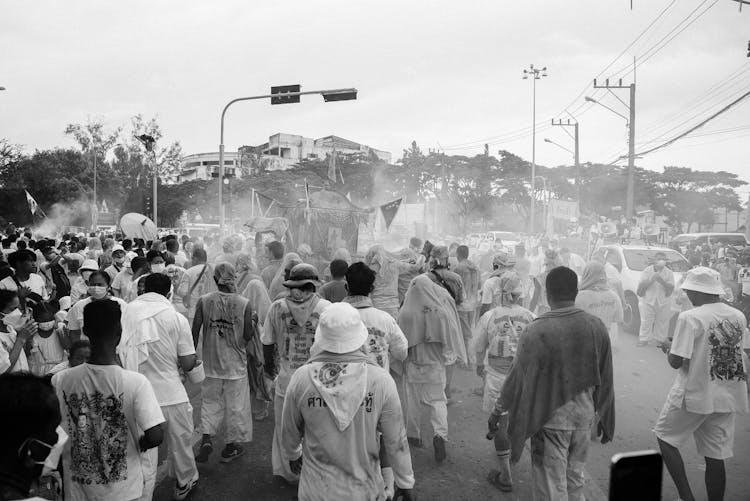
<point x="444" y="73"/>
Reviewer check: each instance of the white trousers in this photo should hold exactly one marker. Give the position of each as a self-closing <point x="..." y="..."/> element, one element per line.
<point x="179" y="439"/>
<point x="654" y="321"/>
<point x="430" y="396"/>
<point x="227" y="400"/>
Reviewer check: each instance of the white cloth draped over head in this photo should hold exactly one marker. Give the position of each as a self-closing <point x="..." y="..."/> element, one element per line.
<point x="594" y="277"/>
<point x="139" y="328"/>
<point x="429" y="315"/>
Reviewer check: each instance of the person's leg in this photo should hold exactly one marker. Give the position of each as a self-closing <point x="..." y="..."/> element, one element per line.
<point x="279" y="464"/>
<point x="179" y="441"/>
<point x="647" y="322"/>
<point x="212" y="414"/>
<point x="715" y="441"/>
<point x="502" y="448"/>
<point x="577" y="455"/>
<point x="434" y="398"/>
<point x="239" y="414"/>
<point x="413" y="412"/>
<point x="663" y="313"/>
<point x="448" y="379"/>
<point x="549" y="453"/>
<point x="676" y="468"/>
<point x="716" y="479"/>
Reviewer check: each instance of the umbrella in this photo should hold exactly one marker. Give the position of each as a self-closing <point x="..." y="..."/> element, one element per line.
<point x="136" y="225"/>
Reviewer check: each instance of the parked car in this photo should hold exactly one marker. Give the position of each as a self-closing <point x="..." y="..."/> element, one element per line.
<point x="685" y="240"/>
<point x="630" y="261"/>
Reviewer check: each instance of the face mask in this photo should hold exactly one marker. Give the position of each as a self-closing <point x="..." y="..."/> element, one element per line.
<point x="158" y="268"/>
<point x="97" y="291"/>
<point x="46" y="326"/>
<point x="55" y="451"/>
<point x="14" y="319"/>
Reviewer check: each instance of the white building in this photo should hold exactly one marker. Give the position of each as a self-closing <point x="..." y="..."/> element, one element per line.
<point x="205" y="166"/>
<point x="282" y="151"/>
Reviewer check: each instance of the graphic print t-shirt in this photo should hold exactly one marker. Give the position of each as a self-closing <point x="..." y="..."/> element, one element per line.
<point x="105" y="410"/>
<point x="498" y="333"/>
<point x="712" y="337"/>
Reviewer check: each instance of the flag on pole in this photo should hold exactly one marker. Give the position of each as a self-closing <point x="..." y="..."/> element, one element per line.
<point x="389" y="211"/>
<point x="332" y="166"/>
<point x="33" y="206"/>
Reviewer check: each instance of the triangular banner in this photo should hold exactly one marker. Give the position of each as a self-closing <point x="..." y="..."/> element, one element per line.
<point x="389" y="211"/>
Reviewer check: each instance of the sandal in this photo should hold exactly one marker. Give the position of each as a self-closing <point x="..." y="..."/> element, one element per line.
<point x="493" y="478"/>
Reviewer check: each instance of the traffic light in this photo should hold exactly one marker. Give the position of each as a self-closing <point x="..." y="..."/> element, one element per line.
<point x="347" y="95"/>
<point x="147" y="204"/>
<point x="283" y="89"/>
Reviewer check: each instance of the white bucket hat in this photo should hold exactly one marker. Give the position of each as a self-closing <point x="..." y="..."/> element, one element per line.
<point x="702" y="279"/>
<point x="89" y="265"/>
<point x="340" y="329"/>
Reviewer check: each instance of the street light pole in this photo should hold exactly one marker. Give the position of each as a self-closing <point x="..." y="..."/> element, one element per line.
<point x="535" y="74"/>
<point x="328" y="95"/>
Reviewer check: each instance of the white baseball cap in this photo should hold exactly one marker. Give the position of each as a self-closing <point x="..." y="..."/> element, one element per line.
<point x="703" y="279"/>
<point x="340" y="330"/>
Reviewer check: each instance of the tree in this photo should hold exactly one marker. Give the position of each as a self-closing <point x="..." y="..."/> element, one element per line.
<point x="689" y="197"/>
<point x="9" y="154"/>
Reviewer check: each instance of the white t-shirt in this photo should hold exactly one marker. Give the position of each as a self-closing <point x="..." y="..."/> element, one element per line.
<point x="35" y="282"/>
<point x="605" y="305"/>
<point x="7" y="340"/>
<point x="123" y="283"/>
<point x="46" y="353"/>
<point x="75" y="315"/>
<point x="384" y="336"/>
<point x="491" y="291"/>
<point x="656" y="293"/>
<point x="161" y="366"/>
<point x="105" y="410"/>
<point x="712" y="337"/>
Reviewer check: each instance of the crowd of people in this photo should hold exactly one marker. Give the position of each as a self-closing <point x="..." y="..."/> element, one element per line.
<point x="103" y="343"/>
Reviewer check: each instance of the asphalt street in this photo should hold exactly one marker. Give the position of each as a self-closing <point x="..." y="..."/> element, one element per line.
<point x="642" y="379"/>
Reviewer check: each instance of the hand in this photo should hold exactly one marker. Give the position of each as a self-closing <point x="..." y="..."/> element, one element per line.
<point x="480" y="370"/>
<point x="403" y="495"/>
<point x="28" y="330"/>
<point x="600" y="433"/>
<point x="493" y="423"/>
<point x="666" y="346"/>
<point x="296" y="466"/>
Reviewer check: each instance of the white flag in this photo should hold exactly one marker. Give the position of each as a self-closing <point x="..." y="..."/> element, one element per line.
<point x="33" y="206"/>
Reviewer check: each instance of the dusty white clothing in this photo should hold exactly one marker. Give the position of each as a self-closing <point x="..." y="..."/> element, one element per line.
<point x="174" y="340"/>
<point x="35" y="283"/>
<point x="105" y="410"/>
<point x="337" y="464"/>
<point x="124" y="283"/>
<point x="178" y="436"/>
<point x="712" y="337"/>
<point x="656" y="293"/>
<point x="430" y="397"/>
<point x="7" y="340"/>
<point x="385" y="338"/>
<point x="227" y="400"/>
<point x="713" y="433"/>
<point x="78" y="290"/>
<point x="604" y="304"/>
<point x="75" y="315"/>
<point x="46" y="353"/>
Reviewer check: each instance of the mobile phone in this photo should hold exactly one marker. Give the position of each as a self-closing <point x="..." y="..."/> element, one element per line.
<point x="636" y="475"/>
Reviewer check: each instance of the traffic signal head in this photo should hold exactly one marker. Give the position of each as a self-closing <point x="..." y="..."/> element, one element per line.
<point x="344" y="95"/>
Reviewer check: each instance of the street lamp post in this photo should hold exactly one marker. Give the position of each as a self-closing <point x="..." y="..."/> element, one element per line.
<point x="535" y="74"/>
<point x="149" y="142"/>
<point x="328" y="95"/>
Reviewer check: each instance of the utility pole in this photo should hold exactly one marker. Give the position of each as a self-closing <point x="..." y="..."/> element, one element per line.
<point x="576" y="159"/>
<point x="535" y="74"/>
<point x="629" y="198"/>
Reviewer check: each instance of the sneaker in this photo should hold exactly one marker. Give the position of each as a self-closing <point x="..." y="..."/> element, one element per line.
<point x="206" y="449"/>
<point x="415" y="442"/>
<point x="182" y="491"/>
<point x="231" y="452"/>
<point x="438" y="443"/>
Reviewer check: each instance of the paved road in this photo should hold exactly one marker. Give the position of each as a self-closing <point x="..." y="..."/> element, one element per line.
<point x="642" y="379"/>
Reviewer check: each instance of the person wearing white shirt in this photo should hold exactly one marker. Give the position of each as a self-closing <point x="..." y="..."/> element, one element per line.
<point x="173" y="350"/>
<point x="24" y="264"/>
<point x="711" y="383"/>
<point x="15" y="330"/>
<point x="112" y="417"/>
<point x="97" y="289"/>
<point x="655" y="292"/>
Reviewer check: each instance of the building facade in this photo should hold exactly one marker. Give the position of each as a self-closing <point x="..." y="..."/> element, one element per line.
<point x="205" y="166"/>
<point x="282" y="151"/>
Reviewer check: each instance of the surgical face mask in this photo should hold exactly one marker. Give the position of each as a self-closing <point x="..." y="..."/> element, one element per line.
<point x="14" y="319"/>
<point x="158" y="268"/>
<point x="55" y="451"/>
<point x="97" y="291"/>
<point x="46" y="326"/>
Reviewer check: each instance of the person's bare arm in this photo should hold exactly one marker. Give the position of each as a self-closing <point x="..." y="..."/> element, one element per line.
<point x="187" y="362"/>
<point x="152" y="437"/>
<point x="249" y="326"/>
<point x="197" y="322"/>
